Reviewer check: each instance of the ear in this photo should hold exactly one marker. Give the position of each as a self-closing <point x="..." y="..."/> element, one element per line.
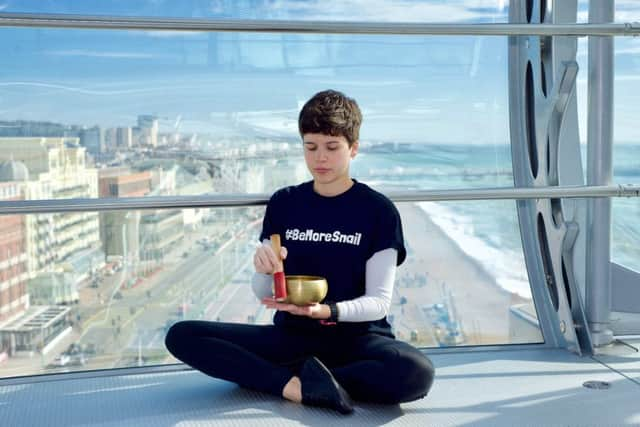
<point x="354" y="149"/>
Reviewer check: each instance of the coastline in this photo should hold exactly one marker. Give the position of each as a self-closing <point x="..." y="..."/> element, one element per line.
<point x="477" y="305"/>
<point x="481" y="268"/>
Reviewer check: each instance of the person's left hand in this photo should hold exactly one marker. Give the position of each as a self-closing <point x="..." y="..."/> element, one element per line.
<point x="310" y="310"/>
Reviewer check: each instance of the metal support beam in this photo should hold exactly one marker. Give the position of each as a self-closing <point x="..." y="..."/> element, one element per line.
<point x="311" y="27"/>
<point x="599" y="172"/>
<point x="243" y="200"/>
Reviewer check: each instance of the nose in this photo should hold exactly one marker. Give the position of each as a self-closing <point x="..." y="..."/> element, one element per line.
<point x="321" y="155"/>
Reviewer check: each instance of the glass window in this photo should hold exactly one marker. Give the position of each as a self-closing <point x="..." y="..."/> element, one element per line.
<point x="110" y="301"/>
<point x="199" y="112"/>
<point x="625" y="231"/>
<point x="464" y="281"/>
<point x="626" y="148"/>
<point x="185" y="113"/>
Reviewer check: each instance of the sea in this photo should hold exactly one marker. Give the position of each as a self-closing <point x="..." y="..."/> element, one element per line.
<point x="488" y="231"/>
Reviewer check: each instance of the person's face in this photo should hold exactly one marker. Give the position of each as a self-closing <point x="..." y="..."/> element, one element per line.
<point x="328" y="157"/>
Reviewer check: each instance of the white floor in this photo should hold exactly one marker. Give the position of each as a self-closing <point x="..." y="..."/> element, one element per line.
<point x="505" y="388"/>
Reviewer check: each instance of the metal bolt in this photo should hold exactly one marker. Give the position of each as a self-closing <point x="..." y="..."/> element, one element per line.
<point x="597" y="385"/>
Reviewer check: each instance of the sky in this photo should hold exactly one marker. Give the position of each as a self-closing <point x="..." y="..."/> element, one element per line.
<point x="410" y="88"/>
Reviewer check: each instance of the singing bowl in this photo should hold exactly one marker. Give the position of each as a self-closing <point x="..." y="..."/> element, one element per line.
<point x="303" y="290"/>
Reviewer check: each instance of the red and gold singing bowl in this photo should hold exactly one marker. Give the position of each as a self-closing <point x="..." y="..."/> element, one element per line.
<point x="303" y="290"/>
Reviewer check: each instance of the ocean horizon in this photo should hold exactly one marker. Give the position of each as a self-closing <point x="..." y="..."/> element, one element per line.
<point x="488" y="231"/>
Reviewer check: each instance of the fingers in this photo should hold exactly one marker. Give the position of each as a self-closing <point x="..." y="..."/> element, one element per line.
<point x="265" y="260"/>
<point x="260" y="262"/>
<point x="270" y="302"/>
<point x="273" y="259"/>
<point x="306" y="310"/>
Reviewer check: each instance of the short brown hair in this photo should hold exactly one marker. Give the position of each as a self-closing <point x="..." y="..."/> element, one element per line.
<point x="331" y="113"/>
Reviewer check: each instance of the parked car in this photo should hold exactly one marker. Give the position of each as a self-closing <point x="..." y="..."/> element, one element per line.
<point x="60" y="361"/>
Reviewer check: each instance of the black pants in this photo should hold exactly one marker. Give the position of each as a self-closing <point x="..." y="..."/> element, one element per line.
<point x="371" y="367"/>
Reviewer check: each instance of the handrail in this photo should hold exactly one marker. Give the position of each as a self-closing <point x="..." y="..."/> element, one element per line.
<point x="244" y="200"/>
<point x="106" y="22"/>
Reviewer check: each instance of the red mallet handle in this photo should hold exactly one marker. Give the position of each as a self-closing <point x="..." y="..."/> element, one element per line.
<point x="279" y="282"/>
<point x="279" y="286"/>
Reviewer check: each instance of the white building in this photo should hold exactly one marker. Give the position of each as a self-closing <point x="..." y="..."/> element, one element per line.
<point x="56" y="170"/>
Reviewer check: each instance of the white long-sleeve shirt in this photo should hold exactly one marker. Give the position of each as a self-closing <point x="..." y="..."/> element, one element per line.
<point x="373" y="305"/>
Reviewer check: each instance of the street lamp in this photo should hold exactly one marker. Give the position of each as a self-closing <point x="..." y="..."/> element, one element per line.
<point x="124" y="247"/>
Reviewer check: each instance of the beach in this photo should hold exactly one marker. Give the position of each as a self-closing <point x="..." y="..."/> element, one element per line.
<point x="445" y="290"/>
<point x="439" y="289"/>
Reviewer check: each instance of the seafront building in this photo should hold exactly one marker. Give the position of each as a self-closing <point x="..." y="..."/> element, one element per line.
<point x="57" y="170"/>
<point x="58" y="246"/>
<point x="14" y="274"/>
<point x="120" y="230"/>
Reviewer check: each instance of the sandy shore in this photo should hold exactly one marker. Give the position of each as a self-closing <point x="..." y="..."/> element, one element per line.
<point x="438" y="271"/>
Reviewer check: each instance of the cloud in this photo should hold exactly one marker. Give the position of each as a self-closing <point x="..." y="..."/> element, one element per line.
<point x="71" y="88"/>
<point x="627" y="78"/>
<point x="616" y="78"/>
<point x="363" y="83"/>
<point x="422" y="111"/>
<point x="627" y="50"/>
<point x="619" y="16"/>
<point x="388" y="10"/>
<point x="364" y="10"/>
<point x="174" y="33"/>
<point x="625" y="11"/>
<point x="100" y="54"/>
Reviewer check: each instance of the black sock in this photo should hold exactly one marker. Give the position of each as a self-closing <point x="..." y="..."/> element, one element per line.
<point x="319" y="388"/>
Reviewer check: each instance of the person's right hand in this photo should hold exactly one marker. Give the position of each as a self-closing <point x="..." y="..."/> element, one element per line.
<point x="265" y="260"/>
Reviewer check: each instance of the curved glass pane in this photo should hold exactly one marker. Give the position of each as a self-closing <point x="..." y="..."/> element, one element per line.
<point x="90" y="113"/>
<point x="188" y="109"/>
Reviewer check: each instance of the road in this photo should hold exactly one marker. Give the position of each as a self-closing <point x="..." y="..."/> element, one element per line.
<point x="125" y="326"/>
<point x="128" y="328"/>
